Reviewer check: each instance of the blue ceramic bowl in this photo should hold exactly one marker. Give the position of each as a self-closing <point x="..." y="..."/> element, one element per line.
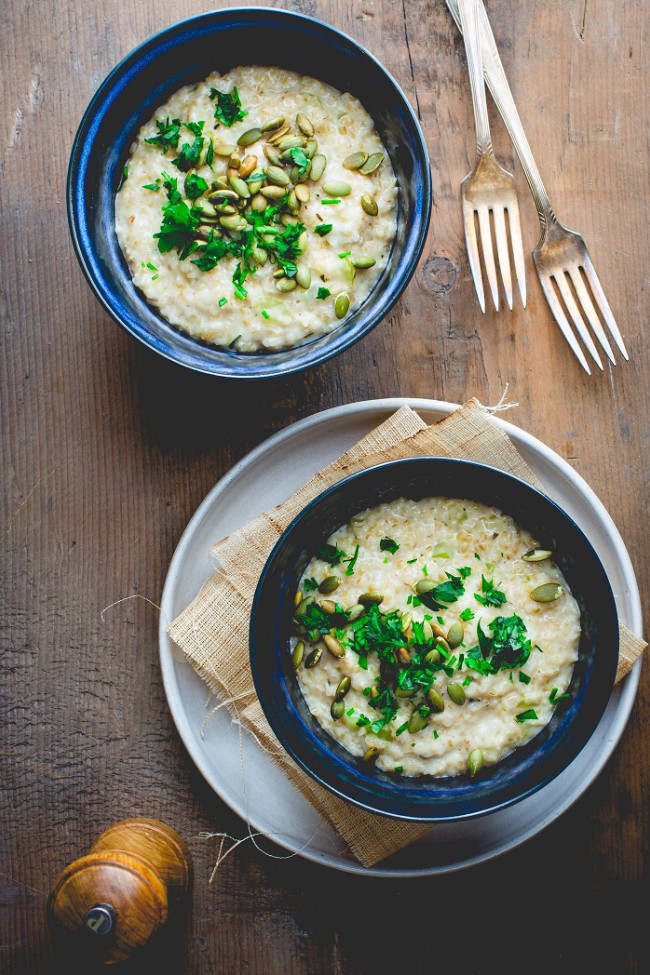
<point x="430" y="799"/>
<point x="186" y="53"/>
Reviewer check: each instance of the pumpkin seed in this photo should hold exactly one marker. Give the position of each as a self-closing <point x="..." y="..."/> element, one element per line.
<point x="333" y="645"/>
<point x="291" y="142"/>
<point x="259" y="255"/>
<point x="455" y="634"/>
<point x="318" y="164"/>
<point x="223" y="149"/>
<point x="282" y="131"/>
<point x="311" y="148"/>
<point x="337" y="187"/>
<point x="363" y="262"/>
<point x="259" y="203"/>
<point x="329" y="584"/>
<point x="341" y="306"/>
<point x="456" y="692"/>
<point x="369" y="205"/>
<point x="435" y="700"/>
<point x="337" y="709"/>
<point x="222" y="194"/>
<point x="304" y="124"/>
<point x="427" y="631"/>
<point x="277" y="176"/>
<point x="274" y="123"/>
<point x="417" y="721"/>
<point x="402" y="657"/>
<point x="249" y="137"/>
<point x="442" y="644"/>
<point x="255" y="185"/>
<point x="368" y="599"/>
<point x="433" y="656"/>
<point x="406" y="622"/>
<point x="272" y="154"/>
<point x="300" y="175"/>
<point x="292" y="201"/>
<point x="302" y="606"/>
<point x="343" y="687"/>
<point x="247" y="166"/>
<point x="240" y="187"/>
<point x="279" y="273"/>
<point x="302" y="192"/>
<point x="423" y="586"/>
<point x="474" y="761"/>
<point x="273" y="192"/>
<point x="233" y="222"/>
<point x="298" y="653"/>
<point x="547" y="593"/>
<point x="235" y="160"/>
<point x="302" y="242"/>
<point x="371" y="754"/>
<point x="536" y="555"/>
<point x="303" y="277"/>
<point x="313" y="657"/>
<point x="328" y="606"/>
<point x="405" y="692"/>
<point x="356" y="612"/>
<point x="355" y="160"/>
<point x="285" y="285"/>
<point x="372" y="164"/>
<point x="203" y="233"/>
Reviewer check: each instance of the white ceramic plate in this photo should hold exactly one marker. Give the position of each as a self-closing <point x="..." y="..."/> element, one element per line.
<point x="244" y="776"/>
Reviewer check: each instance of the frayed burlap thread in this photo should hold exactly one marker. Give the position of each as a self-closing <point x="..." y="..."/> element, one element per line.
<point x="212" y="630"/>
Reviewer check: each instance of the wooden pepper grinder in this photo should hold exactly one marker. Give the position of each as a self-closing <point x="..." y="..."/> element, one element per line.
<point x="111" y="902"/>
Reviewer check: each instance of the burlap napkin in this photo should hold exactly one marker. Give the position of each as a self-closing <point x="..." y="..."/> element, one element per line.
<point x="212" y="630"/>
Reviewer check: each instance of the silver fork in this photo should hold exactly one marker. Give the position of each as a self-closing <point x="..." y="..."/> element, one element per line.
<point x="488" y="188"/>
<point x="563" y="264"/>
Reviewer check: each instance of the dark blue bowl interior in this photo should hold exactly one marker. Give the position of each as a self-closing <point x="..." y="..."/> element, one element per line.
<point x="430" y="799"/>
<point x="186" y="53"/>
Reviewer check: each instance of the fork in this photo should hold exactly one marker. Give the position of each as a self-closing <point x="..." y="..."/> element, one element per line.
<point x="561" y="258"/>
<point x="488" y="188"/>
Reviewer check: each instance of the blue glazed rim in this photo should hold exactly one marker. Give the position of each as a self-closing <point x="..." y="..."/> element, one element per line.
<point x="101" y="146"/>
<point x="428" y="799"/>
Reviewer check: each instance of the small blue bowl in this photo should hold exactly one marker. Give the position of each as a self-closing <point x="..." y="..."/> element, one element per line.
<point x="186" y="53"/>
<point x="429" y="799"/>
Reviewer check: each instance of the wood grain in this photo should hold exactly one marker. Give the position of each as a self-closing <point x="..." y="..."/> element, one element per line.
<point x="108" y="450"/>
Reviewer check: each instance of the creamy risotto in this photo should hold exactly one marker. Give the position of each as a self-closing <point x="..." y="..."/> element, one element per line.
<point x="433" y="637"/>
<point x="257" y="209"/>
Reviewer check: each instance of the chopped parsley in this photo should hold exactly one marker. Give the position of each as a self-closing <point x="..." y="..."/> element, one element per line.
<point x="523" y="678"/>
<point x="529" y="715"/>
<point x="505" y="649"/>
<point x="300" y="159"/>
<point x="190" y="152"/>
<point x="466" y="615"/>
<point x="445" y="592"/>
<point x="330" y="202"/>
<point x="228" y="108"/>
<point x="195" y="186"/>
<point x="222" y="302"/>
<point x="322" y="229"/>
<point x="310" y="584"/>
<point x="554" y="697"/>
<point x="265" y="314"/>
<point x="345" y="254"/>
<point x="323" y="293"/>
<point x="388" y="545"/>
<point x="491" y="596"/>
<point x="331" y="554"/>
<point x="352" y="562"/>
<point x="154" y="187"/>
<point x="169" y="134"/>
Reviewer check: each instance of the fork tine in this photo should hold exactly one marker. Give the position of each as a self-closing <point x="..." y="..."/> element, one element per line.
<point x="517" y="248"/>
<point x="472" y="253"/>
<point x="561" y="319"/>
<point x="588" y="308"/>
<point x="488" y="253"/>
<point x="596" y="287"/>
<point x="503" y="253"/>
<point x="576" y="317"/>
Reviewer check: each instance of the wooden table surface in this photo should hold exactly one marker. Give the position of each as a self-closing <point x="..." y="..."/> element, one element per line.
<point x="108" y="451"/>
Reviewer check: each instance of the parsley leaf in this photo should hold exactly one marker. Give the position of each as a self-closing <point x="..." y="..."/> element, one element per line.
<point x="352" y="562"/>
<point x="168" y="134"/>
<point x="323" y="293"/>
<point x="529" y="715"/>
<point x="228" y="108"/>
<point x="300" y="159"/>
<point x="331" y="554"/>
<point x="190" y="153"/>
<point x="178" y="227"/>
<point x="466" y="615"/>
<point x="195" y="186"/>
<point x="388" y="545"/>
<point x="492" y="596"/>
<point x="445" y="592"/>
<point x="322" y="229"/>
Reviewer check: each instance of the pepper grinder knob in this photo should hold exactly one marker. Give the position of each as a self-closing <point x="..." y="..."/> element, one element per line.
<point x="111" y="902"/>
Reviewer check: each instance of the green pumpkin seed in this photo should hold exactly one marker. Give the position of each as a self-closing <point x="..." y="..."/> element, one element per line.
<point x="311" y="148"/>
<point x="435" y="700"/>
<point x="373" y="163"/>
<point x="341" y="306"/>
<point x="302" y="192"/>
<point x="222" y="194"/>
<point x="423" y="586"/>
<point x="235" y="161"/>
<point x="371" y="755"/>
<point x="272" y="154"/>
<point x="292" y="202"/>
<point x="355" y="160"/>
<point x="291" y="142"/>
<point x="333" y="645"/>
<point x="203" y="233"/>
<point x="337" y="187"/>
<point x="433" y="656"/>
<point x="312" y="658"/>
<point x="547" y="593"/>
<point x="298" y="654"/>
<point x="208" y="209"/>
<point x="385" y="733"/>
<point x="356" y="612"/>
<point x="405" y="692"/>
<point x="329" y="584"/>
<point x="233" y="222"/>
<point x="455" y="634"/>
<point x="536" y="555"/>
<point x="304" y="124"/>
<point x="427" y="631"/>
<point x="369" y="205"/>
<point x="223" y="149"/>
<point x="249" y="137"/>
<point x="318" y="164"/>
<point x="280" y="134"/>
<point x="259" y="255"/>
<point x="259" y="203"/>
<point x="273" y="192"/>
<point x="417" y="721"/>
<point x="255" y="185"/>
<point x="475" y="761"/>
<point x="456" y="692"/>
<point x="303" y="277"/>
<point x="363" y="262"/>
<point x="406" y="622"/>
<point x="248" y="166"/>
<point x="302" y="606"/>
<point x="343" y="687"/>
<point x="285" y="285"/>
<point x="328" y="606"/>
<point x="240" y="187"/>
<point x="368" y="599"/>
<point x="337" y="710"/>
<point x="273" y="124"/>
<point x="279" y="273"/>
<point x="277" y="176"/>
<point x="442" y="644"/>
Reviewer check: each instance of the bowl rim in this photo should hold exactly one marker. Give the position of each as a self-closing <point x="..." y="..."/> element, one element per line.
<point x="418" y="813"/>
<point x="263" y="364"/>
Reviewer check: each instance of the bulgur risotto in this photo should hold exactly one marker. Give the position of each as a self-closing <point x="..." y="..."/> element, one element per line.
<point x="433" y="636"/>
<point x="257" y="209"/>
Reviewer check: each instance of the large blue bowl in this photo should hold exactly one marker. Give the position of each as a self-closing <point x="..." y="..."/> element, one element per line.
<point x="186" y="53"/>
<point x="429" y="799"/>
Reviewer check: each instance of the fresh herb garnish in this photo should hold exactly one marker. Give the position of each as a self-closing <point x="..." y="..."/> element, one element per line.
<point x="388" y="545"/>
<point x="154" y="187"/>
<point x="445" y="592"/>
<point x="300" y="159"/>
<point x="168" y="134"/>
<point x="554" y="697"/>
<point x="265" y="314"/>
<point x="323" y="293"/>
<point x="195" y="186"/>
<point x="505" y="649"/>
<point x="228" y="108"/>
<point x="331" y="554"/>
<point x="491" y="596"/>
<point x="330" y="202"/>
<point x="529" y="715"/>
<point x="322" y="229"/>
<point x="466" y="615"/>
<point x="190" y="152"/>
<point x="352" y="562"/>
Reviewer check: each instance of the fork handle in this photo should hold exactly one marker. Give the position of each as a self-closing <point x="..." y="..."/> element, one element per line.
<point x="497" y="82"/>
<point x="469" y="18"/>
